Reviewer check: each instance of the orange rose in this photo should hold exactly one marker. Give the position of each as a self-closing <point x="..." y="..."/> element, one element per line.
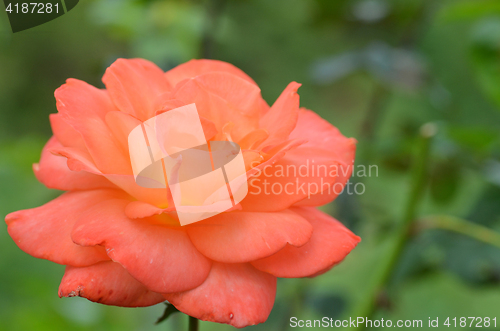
<point x="121" y="243"/>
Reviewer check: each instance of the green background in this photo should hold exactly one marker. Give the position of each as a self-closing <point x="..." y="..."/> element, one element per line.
<point x="377" y="69"/>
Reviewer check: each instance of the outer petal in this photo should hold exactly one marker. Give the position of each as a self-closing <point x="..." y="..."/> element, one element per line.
<point x="108" y="283"/>
<point x="240" y="237"/>
<point x="135" y="85"/>
<point x="45" y="232"/>
<point x="291" y="179"/>
<point x="65" y="133"/>
<point x="327" y="142"/>
<point x="140" y="209"/>
<point x="77" y="160"/>
<point x="160" y="257"/>
<point x="155" y="196"/>
<point x="235" y="294"/>
<point x="195" y="68"/>
<point x="84" y="107"/>
<point x="53" y="172"/>
<point x="330" y="243"/>
<point x="255" y="201"/>
<point x="281" y="118"/>
<point x="312" y="174"/>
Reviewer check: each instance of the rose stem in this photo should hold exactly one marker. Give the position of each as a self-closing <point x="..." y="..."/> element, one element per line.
<point x="193" y="324"/>
<point x="476" y="231"/>
<point x="418" y="181"/>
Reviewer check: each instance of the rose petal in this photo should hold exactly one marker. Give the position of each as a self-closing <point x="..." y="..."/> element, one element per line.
<point x="84" y="107"/>
<point x="321" y="138"/>
<point x="238" y="93"/>
<point x="311" y="174"/>
<point x="195" y="68"/>
<point x="235" y="294"/>
<point x="107" y="283"/>
<point x="240" y="237"/>
<point x="45" y="232"/>
<point x="140" y="209"/>
<point x="290" y="179"/>
<point x="135" y="85"/>
<point x="121" y="124"/>
<point x="223" y="98"/>
<point x="160" y="257"/>
<point x="253" y="139"/>
<point x="76" y="159"/>
<point x="65" y="133"/>
<point x="53" y="172"/>
<point x="330" y="243"/>
<point x="154" y="196"/>
<point x="281" y="118"/>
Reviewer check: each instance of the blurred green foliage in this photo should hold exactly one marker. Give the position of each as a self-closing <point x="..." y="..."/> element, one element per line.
<point x="377" y="69"/>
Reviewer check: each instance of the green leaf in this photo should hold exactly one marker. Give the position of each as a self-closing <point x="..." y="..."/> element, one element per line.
<point x="477" y="139"/>
<point x="469" y="10"/>
<point x="444" y="181"/>
<point x="443" y="295"/>
<point x="485" y="52"/>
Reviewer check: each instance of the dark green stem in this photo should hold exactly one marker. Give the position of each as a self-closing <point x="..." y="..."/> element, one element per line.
<point x="374" y="113"/>
<point x="419" y="174"/>
<point x="376" y="106"/>
<point x="193" y="324"/>
<point x="458" y="225"/>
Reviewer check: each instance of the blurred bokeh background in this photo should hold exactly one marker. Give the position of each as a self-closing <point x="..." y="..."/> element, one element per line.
<point x="416" y="82"/>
